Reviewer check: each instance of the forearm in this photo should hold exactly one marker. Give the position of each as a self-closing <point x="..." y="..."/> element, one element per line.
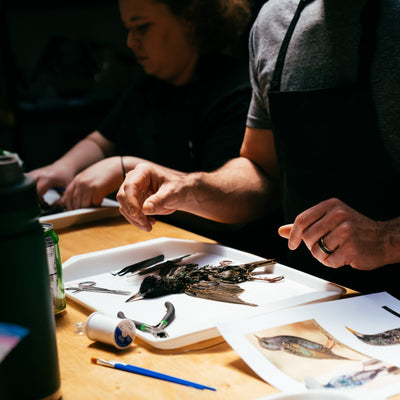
<point x="238" y="192"/>
<point x="129" y="163"/>
<point x="391" y="234"/>
<point x="86" y="152"/>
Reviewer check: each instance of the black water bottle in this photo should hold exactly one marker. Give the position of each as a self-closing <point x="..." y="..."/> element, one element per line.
<point x="30" y="370"/>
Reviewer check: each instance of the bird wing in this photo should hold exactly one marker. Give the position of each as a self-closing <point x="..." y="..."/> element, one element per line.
<point x="217" y="291"/>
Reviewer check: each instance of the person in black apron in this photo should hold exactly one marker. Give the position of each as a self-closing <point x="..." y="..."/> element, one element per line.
<point x="326" y="163"/>
<point x="323" y="157"/>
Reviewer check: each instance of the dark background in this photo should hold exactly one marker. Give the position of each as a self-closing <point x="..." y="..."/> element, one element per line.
<point x="62" y="67"/>
<point x="63" y="64"/>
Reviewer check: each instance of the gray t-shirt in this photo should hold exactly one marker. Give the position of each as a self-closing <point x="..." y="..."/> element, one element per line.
<point x="323" y="53"/>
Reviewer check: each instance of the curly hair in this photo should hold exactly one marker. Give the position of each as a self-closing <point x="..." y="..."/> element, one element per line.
<point x="219" y="24"/>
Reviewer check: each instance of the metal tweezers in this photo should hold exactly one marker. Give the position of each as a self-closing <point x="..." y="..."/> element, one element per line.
<point x="139" y="265"/>
<point x="164" y="265"/>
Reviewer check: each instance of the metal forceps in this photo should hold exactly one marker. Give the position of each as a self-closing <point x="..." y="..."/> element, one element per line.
<point x="90" y="286"/>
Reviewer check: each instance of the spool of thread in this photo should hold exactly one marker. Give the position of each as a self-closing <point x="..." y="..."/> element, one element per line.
<point x="115" y="331"/>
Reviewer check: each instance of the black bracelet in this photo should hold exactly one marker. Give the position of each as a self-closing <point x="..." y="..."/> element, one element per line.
<point x="123" y="167"/>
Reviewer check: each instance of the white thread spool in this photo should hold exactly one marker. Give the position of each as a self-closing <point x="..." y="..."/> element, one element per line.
<point x="115" y="331"/>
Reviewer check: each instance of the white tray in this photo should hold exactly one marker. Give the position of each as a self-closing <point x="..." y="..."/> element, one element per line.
<point x="195" y="318"/>
<point x="109" y="208"/>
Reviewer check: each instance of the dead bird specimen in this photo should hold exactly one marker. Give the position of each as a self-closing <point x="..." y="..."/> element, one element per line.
<point x="386" y="338"/>
<point x="299" y="347"/>
<point x="219" y="283"/>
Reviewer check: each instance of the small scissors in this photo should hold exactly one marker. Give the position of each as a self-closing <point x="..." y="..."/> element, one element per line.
<point x="90" y="286"/>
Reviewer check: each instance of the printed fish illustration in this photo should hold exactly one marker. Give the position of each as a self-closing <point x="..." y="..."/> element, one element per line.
<point x="385" y="338"/>
<point x="298" y="346"/>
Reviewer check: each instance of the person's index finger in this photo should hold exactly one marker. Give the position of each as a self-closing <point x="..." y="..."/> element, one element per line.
<point x="285" y="230"/>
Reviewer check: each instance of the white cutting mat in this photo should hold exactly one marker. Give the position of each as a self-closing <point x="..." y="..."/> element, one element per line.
<point x="195" y="318"/>
<point x="109" y="208"/>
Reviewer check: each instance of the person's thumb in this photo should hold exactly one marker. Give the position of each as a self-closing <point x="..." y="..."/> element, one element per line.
<point x="157" y="204"/>
<point x="149" y="206"/>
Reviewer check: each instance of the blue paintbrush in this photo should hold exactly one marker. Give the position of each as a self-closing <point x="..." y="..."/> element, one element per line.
<point x="147" y="372"/>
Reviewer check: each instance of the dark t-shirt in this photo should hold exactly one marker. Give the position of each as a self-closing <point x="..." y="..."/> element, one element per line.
<point x="198" y="126"/>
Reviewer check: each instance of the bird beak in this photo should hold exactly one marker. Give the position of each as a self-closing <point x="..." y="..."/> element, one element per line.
<point x="135" y="297"/>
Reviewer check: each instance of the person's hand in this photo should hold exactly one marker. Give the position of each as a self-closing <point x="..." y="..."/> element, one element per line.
<point x="51" y="176"/>
<point x="90" y="186"/>
<point x="150" y="190"/>
<point x="348" y="237"/>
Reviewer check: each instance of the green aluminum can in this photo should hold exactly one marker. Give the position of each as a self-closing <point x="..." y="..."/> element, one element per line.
<point x="55" y="268"/>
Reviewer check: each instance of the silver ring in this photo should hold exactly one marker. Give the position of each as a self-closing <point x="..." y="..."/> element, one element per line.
<point x="323" y="247"/>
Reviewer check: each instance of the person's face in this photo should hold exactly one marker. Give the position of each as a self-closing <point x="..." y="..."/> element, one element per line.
<point x="161" y="41"/>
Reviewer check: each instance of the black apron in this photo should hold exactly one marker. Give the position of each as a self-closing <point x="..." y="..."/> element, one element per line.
<point x="328" y="145"/>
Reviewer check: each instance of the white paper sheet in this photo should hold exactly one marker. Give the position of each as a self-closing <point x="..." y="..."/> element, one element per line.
<point x="324" y="323"/>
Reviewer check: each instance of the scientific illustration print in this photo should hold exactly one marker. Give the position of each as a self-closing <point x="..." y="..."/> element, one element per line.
<point x="307" y="353"/>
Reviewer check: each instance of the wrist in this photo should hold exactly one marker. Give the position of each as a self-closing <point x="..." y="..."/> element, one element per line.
<point x="391" y="233"/>
<point x="193" y="183"/>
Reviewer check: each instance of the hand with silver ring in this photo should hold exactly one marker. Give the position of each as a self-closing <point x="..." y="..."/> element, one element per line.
<point x="338" y="235"/>
<point x="323" y="246"/>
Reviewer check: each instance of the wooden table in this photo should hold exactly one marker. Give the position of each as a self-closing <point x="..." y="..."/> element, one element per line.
<point x="216" y="366"/>
<point x="212" y="362"/>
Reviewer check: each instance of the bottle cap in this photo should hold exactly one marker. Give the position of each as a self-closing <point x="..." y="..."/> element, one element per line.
<point x="11" y="171"/>
<point x="19" y="204"/>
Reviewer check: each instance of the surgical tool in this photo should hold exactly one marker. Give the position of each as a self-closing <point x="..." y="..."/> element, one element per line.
<point x="159" y="329"/>
<point x="90" y="286"/>
<point x="139" y="265"/>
